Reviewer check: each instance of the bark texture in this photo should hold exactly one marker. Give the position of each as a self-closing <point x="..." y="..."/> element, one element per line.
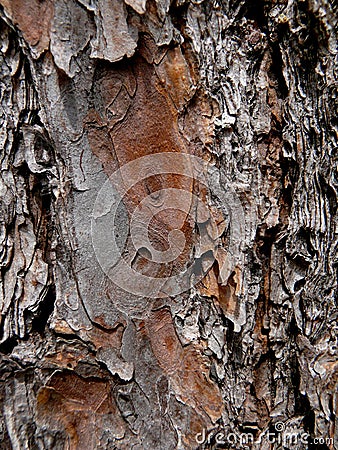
<point x="89" y="87"/>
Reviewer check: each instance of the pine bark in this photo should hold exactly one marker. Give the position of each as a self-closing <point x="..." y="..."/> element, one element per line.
<point x="89" y="90"/>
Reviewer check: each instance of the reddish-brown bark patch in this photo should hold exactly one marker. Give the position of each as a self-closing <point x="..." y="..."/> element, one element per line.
<point x="138" y="117"/>
<point x="187" y="369"/>
<point x="79" y="405"/>
<point x="33" y="18"/>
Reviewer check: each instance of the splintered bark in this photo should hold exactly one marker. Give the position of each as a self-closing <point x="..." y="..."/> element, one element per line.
<point x="168" y="224"/>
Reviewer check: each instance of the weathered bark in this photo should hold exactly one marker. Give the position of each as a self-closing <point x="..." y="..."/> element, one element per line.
<point x="223" y="117"/>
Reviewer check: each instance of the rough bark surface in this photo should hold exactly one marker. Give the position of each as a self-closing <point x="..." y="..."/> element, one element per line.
<point x="89" y="87"/>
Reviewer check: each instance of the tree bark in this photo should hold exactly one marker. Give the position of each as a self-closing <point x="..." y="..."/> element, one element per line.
<point x="168" y="224"/>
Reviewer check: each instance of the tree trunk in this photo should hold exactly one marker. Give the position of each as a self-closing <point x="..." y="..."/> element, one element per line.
<point x="168" y="224"/>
